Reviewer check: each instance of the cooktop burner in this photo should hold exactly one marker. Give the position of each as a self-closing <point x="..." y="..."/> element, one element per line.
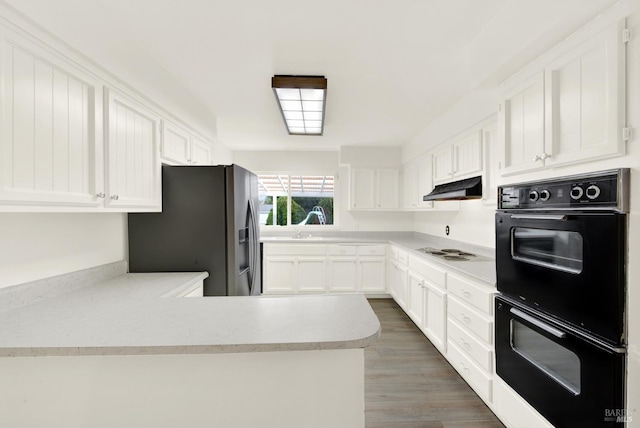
<point x="448" y="253"/>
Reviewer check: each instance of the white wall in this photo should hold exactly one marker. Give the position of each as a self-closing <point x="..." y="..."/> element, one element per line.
<point x="39" y="245"/>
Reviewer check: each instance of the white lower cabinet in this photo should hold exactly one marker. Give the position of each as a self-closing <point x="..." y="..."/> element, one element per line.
<point x="415" y="307"/>
<point x="455" y="313"/>
<point x="312" y="274"/>
<point x="279" y="273"/>
<point x="435" y="316"/>
<point x="372" y="274"/>
<point x="470" y="346"/>
<point x="320" y="268"/>
<point x="343" y="274"/>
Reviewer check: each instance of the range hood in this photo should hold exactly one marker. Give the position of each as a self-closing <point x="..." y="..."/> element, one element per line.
<point x="471" y="188"/>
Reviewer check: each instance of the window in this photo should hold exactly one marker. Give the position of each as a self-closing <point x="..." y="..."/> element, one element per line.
<point x="296" y="200"/>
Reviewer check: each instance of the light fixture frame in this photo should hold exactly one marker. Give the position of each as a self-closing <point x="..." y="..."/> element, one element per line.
<point x="300" y="82"/>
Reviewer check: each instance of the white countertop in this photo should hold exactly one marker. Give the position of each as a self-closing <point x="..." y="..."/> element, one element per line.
<point x="133" y="314"/>
<point x="482" y="267"/>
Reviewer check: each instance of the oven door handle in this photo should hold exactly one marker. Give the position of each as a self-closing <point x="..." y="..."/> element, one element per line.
<point x="540" y="217"/>
<point x="551" y="330"/>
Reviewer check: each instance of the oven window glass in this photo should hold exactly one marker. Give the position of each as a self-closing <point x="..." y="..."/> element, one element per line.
<point x="557" y="362"/>
<point x="555" y="249"/>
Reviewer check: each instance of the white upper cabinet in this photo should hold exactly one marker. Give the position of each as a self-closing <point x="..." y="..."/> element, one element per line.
<point x="133" y="155"/>
<point x="374" y="189"/>
<point x="362" y="189"/>
<point x="410" y="186"/>
<point x="521" y="115"/>
<point x="176" y="144"/>
<point x="572" y="110"/>
<point x="417" y="182"/>
<point x="584" y="94"/>
<point x="387" y="188"/>
<point x="51" y="150"/>
<point x="179" y="147"/>
<point x="200" y="152"/>
<point x="461" y="159"/>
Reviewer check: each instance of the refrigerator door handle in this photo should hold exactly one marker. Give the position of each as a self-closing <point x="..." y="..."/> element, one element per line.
<point x="252" y="248"/>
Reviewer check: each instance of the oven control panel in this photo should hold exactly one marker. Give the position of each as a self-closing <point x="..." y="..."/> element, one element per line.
<point x="607" y="189"/>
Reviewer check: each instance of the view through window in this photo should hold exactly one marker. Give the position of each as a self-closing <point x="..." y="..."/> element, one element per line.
<point x="296" y="200"/>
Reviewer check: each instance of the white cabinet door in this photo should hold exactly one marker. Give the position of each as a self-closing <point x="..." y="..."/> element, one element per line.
<point x="51" y="148"/>
<point x="343" y="274"/>
<point x="521" y="126"/>
<point x="435" y="317"/>
<point x="443" y="165"/>
<point x="489" y="146"/>
<point x="415" y="300"/>
<point x="425" y="180"/>
<point x="585" y="108"/>
<point x="387" y="188"/>
<point x="279" y="275"/>
<point x="362" y="193"/>
<point x="176" y="144"/>
<point x="467" y="156"/>
<point x="400" y="285"/>
<point x="312" y="274"/>
<point x="372" y="274"/>
<point x="133" y="161"/>
<point x="410" y="186"/>
<point x="200" y="152"/>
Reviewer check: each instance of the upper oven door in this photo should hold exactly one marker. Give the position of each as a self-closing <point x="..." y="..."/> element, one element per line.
<point x="568" y="264"/>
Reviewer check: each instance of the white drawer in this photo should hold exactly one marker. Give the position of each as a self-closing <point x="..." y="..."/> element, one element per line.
<point x="372" y="250"/>
<point x="433" y="274"/>
<point x="296" y="249"/>
<point x="474" y="294"/>
<point x="471" y="346"/>
<point x="480" y="325"/>
<point x="479" y="380"/>
<point x="342" y="250"/>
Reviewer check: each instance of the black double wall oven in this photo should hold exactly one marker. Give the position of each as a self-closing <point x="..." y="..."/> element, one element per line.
<point x="560" y="310"/>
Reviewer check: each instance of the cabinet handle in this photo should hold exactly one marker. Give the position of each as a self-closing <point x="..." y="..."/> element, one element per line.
<point x="115" y="197"/>
<point x="100" y="195"/>
<point x="465" y="293"/>
<point x="194" y="162"/>
<point x="544" y="156"/>
<point x="464" y="368"/>
<point x="465" y="318"/>
<point x="536" y="158"/>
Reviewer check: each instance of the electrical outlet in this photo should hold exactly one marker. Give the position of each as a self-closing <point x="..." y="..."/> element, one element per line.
<point x="447" y="230"/>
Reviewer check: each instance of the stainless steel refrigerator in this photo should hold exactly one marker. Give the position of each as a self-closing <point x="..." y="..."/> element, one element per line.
<point x="208" y="222"/>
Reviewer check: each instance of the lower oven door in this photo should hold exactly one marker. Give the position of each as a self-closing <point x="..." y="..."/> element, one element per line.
<point x="571" y="380"/>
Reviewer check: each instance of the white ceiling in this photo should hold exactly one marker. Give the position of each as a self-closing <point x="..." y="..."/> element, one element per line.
<point x="392" y="66"/>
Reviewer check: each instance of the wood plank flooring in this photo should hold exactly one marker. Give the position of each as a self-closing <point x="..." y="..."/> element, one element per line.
<point x="409" y="384"/>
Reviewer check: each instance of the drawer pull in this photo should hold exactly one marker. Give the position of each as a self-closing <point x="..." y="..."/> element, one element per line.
<point x="465" y="343"/>
<point x="464" y="368"/>
<point x="465" y="293"/>
<point x="465" y="318"/>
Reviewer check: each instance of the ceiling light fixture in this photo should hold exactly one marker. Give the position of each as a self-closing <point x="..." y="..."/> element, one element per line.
<point x="301" y="100"/>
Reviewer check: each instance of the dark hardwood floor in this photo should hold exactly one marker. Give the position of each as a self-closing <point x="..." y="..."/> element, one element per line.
<point x="409" y="384"/>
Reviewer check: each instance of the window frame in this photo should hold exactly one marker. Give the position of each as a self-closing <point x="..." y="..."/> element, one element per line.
<point x="290" y="226"/>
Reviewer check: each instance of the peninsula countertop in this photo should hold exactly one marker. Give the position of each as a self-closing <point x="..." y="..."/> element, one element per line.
<point x="141" y="313"/>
